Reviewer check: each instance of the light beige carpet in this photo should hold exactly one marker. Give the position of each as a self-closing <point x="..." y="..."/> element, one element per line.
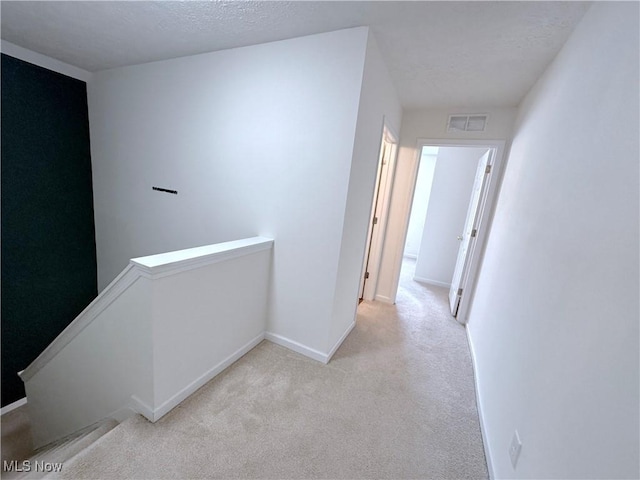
<point x="397" y="401"/>
<point x="16" y="442"/>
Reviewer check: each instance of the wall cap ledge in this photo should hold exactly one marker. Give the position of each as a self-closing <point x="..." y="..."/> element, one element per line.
<point x="151" y="267"/>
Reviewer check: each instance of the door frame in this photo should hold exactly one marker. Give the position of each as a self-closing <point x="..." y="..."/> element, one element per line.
<point x="485" y="224"/>
<point x="374" y="246"/>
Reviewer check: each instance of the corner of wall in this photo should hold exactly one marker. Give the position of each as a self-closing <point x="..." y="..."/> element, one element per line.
<point x="40" y="60"/>
<point x="378" y="105"/>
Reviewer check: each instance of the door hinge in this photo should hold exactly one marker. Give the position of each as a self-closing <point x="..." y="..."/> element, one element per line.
<point x="459" y="292"/>
<point x="487" y="169"/>
<point x="366" y="274"/>
<point x="375" y="220"/>
<point x="474" y="232"/>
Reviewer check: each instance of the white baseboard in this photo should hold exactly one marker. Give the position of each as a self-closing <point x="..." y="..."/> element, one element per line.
<point x="13" y="406"/>
<point x="159" y="412"/>
<point x="384" y="299"/>
<point x="340" y="340"/>
<point x="297" y="347"/>
<point x="432" y="282"/>
<point x="142" y="408"/>
<point x="483" y="430"/>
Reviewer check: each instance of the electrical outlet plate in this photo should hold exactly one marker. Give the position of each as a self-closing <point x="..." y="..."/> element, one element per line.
<point x="514" y="449"/>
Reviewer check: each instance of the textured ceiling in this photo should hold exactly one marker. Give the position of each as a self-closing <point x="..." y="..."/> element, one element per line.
<point x="439" y="54"/>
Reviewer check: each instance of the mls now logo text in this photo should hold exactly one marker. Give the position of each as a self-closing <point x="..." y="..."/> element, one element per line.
<point x="29" y="466"/>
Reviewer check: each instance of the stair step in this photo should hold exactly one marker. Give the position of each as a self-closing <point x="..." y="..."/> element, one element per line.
<point x="79" y="461"/>
<point x="82" y="442"/>
<point x="63" y="450"/>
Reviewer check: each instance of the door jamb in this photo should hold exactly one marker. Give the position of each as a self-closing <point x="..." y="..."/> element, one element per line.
<point x="369" y="288"/>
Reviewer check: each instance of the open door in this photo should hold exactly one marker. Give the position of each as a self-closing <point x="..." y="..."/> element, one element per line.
<point x="467" y="240"/>
<point x="378" y="219"/>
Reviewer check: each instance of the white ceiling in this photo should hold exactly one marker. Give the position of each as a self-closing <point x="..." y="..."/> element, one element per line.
<point x="439" y="54"/>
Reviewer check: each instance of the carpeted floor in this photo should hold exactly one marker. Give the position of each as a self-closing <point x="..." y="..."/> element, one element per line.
<point x="397" y="401"/>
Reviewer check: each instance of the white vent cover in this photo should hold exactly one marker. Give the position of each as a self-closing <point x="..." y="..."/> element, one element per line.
<point x="467" y="123"/>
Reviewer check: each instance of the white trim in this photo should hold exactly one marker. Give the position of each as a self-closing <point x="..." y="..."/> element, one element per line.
<point x="432" y="282"/>
<point x="404" y="228"/>
<point x="384" y="299"/>
<point x="297" y="347"/>
<point x="142" y="408"/>
<point x="483" y="430"/>
<point x="381" y="197"/>
<point x="163" y="264"/>
<point x="391" y="131"/>
<point x="43" y="61"/>
<point x="340" y="340"/>
<point x="411" y="256"/>
<point x="13" y="406"/>
<point x="153" y="415"/>
<point x="174" y="401"/>
<point x="116" y="288"/>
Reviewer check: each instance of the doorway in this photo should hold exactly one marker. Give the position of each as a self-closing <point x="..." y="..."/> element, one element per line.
<point x="378" y="216"/>
<point x="451" y="233"/>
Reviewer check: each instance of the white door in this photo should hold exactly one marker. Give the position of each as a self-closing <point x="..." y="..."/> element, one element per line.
<point x="468" y="236"/>
<point x="376" y="225"/>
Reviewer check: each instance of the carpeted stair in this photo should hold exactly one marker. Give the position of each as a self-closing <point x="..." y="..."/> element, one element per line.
<point x="60" y="452"/>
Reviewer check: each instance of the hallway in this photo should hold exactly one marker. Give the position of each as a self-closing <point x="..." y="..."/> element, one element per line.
<point x="396" y="401"/>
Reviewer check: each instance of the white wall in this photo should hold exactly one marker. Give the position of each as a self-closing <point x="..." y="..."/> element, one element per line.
<point x="554" y="323"/>
<point x="98" y="371"/>
<point x="450" y="195"/>
<point x="256" y="140"/>
<point x="202" y="318"/>
<point x="378" y="103"/>
<point x="420" y="203"/>
<point x="160" y="331"/>
<point x="424" y="124"/>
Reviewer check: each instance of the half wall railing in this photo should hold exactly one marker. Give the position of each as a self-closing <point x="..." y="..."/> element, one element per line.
<point x="163" y="328"/>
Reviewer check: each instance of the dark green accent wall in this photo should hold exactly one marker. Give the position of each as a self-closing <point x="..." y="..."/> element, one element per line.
<point x="48" y="237"/>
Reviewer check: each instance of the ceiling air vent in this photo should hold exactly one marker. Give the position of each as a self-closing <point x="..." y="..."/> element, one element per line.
<point x="467" y="123"/>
